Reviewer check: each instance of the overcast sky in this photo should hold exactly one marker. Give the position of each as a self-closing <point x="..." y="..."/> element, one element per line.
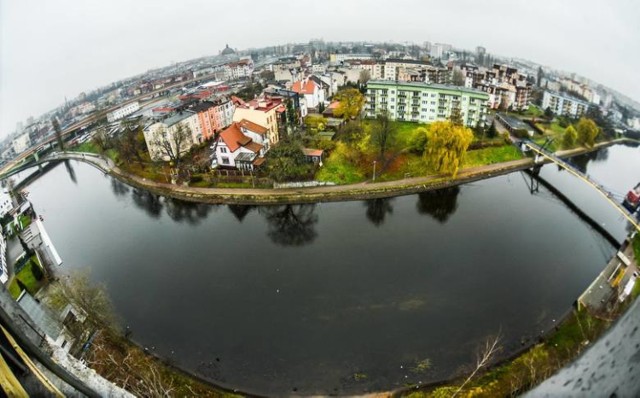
<point x="52" y="49"/>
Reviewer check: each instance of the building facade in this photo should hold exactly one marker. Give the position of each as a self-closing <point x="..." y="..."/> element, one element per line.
<point x="123" y="112"/>
<point x="263" y="112"/>
<point x="163" y="132"/>
<point x="425" y="103"/>
<point x="562" y="104"/>
<point x="242" y="145"/>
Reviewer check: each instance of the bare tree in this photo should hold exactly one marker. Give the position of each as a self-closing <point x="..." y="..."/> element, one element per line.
<point x="382" y="133"/>
<point x="174" y="143"/>
<point x="490" y="349"/>
<point x="56" y="128"/>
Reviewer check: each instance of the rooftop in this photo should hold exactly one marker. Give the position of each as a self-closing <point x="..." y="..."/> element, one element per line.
<point x="421" y="85"/>
<point x="178" y="117"/>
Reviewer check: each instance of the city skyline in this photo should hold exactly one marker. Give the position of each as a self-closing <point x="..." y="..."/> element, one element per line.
<point x="53" y="51"/>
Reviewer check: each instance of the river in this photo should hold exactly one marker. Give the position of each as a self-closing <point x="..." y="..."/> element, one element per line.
<point x="336" y="298"/>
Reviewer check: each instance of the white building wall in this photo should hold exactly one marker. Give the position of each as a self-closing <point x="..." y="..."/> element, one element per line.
<point x="123" y="111"/>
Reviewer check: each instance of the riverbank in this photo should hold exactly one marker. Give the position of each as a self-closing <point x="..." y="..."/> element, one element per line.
<point x="361" y="191"/>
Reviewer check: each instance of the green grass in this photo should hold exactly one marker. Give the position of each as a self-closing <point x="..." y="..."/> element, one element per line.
<point x="636" y="247"/>
<point x="492" y="155"/>
<point x="340" y="172"/>
<point x="87" y="146"/>
<point x="27" y="277"/>
<point x="25" y="221"/>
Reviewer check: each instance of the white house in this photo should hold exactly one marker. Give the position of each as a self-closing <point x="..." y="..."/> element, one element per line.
<point x="311" y="91"/>
<point x="242" y="145"/>
<point x="155" y="133"/>
<point x="123" y="111"/>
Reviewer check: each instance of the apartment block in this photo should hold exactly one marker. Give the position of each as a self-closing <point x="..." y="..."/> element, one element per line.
<point x="425" y="103"/>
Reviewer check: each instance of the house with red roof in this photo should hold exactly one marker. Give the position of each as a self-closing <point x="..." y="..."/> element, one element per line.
<point x="312" y="92"/>
<point x="241" y="145"/>
<point x="261" y="111"/>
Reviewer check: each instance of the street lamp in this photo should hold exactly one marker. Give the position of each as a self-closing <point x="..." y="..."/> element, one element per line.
<point x="374" y="171"/>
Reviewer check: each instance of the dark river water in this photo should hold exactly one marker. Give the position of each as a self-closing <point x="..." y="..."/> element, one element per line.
<point x="340" y="297"/>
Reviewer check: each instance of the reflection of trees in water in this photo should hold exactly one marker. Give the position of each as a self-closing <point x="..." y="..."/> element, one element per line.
<point x="581" y="162"/>
<point x="119" y="188"/>
<point x="189" y="212"/>
<point x="440" y="204"/>
<point x="147" y="201"/>
<point x="290" y="225"/>
<point x="240" y="211"/>
<point x="377" y="210"/>
<point x="70" y="171"/>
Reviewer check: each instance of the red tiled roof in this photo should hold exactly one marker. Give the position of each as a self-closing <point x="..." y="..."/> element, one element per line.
<point x="333" y="105"/>
<point x="233" y="137"/>
<point x="237" y="101"/>
<point x="312" y="152"/>
<point x="304" y="87"/>
<point x="253" y="147"/>
<point x="259" y="161"/>
<point x="251" y="126"/>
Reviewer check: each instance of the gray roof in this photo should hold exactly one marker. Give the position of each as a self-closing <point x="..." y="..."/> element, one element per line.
<point x="178" y="117"/>
<point x="427" y="85"/>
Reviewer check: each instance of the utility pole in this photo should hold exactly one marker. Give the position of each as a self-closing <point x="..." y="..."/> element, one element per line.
<point x="374" y="171"/>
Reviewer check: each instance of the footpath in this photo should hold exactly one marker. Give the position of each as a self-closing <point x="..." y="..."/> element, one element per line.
<point x="334" y="193"/>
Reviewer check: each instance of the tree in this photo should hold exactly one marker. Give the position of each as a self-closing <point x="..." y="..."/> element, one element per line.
<point x="418" y="140"/>
<point x="290" y="225"/>
<point x="286" y="162"/>
<point x="540" y="76"/>
<point x="172" y="144"/>
<point x="268" y="75"/>
<point x="364" y="77"/>
<point x="456" y="115"/>
<point x="492" y="132"/>
<point x="587" y="132"/>
<point x="56" y="128"/>
<point x="128" y="143"/>
<point x="458" y="78"/>
<point x="446" y="146"/>
<point x="383" y="131"/>
<point x="292" y="115"/>
<point x="315" y="122"/>
<point x="350" y="104"/>
<point x="569" y="137"/>
<point x="548" y="113"/>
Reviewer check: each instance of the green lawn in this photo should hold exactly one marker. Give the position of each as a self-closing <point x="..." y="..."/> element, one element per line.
<point x="339" y="171"/>
<point x="88" y="146"/>
<point x="491" y="155"/>
<point x="27" y="277"/>
<point x="25" y="221"/>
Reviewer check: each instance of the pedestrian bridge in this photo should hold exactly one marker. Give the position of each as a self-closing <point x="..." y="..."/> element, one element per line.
<point x="542" y="154"/>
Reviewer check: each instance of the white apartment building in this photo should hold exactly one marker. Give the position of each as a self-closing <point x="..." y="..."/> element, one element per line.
<point x="123" y="111"/>
<point x="164" y="130"/>
<point x="562" y="104"/>
<point x="425" y="103"/>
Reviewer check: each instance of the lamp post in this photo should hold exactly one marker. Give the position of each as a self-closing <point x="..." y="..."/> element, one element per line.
<point x="374" y="171"/>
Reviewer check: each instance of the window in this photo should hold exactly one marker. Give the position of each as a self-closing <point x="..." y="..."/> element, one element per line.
<point x="225" y="160"/>
<point x="223" y="150"/>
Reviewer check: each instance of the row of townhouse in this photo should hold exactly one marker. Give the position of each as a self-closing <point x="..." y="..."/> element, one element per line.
<point x="425" y="103"/>
<point x="506" y="86"/>
<point x="562" y="104"/>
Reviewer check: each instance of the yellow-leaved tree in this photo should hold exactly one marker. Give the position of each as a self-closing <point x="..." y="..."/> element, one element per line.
<point x="588" y="130"/>
<point x="446" y="146"/>
<point x="351" y="103"/>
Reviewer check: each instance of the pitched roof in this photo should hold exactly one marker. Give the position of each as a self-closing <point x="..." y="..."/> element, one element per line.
<point x="253" y="127"/>
<point x="233" y="137"/>
<point x="304" y="86"/>
<point x="253" y="147"/>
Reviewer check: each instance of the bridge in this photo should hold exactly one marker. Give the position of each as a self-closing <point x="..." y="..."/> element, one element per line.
<point x="542" y="154"/>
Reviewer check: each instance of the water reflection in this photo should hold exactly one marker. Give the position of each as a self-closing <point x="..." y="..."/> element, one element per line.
<point x="147" y="201"/>
<point x="240" y="211"/>
<point x="440" y="204"/>
<point x="377" y="210"/>
<point x="70" y="171"/>
<point x="189" y="212"/>
<point x="291" y="225"/>
<point x="119" y="188"/>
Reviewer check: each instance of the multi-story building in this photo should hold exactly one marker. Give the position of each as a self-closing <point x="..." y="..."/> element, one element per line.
<point x="425" y="103"/>
<point x="213" y="116"/>
<point x="123" y="111"/>
<point x="338" y="58"/>
<point x="562" y="104"/>
<point x="239" y="70"/>
<point x="505" y="85"/>
<point x="21" y="143"/>
<point x="310" y="90"/>
<point x="261" y="111"/>
<point x="158" y="134"/>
